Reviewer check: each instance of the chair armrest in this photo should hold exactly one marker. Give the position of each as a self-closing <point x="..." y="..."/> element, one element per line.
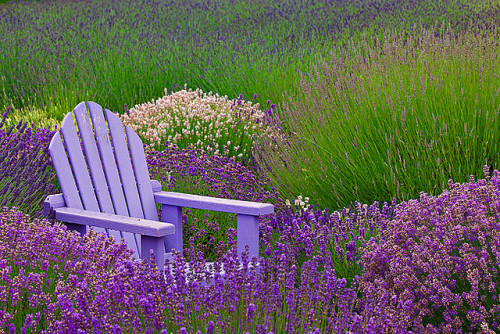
<point x="52" y="202"/>
<point x="213" y="203"/>
<point x="115" y="222"/>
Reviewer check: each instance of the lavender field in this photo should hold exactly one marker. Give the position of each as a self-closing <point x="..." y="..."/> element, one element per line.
<point x="372" y="126"/>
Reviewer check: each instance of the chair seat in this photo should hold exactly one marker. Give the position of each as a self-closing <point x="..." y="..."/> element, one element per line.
<point x="114" y="222"/>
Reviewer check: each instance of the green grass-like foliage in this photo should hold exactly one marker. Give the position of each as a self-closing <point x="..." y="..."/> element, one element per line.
<point x="56" y="54"/>
<point x="391" y="118"/>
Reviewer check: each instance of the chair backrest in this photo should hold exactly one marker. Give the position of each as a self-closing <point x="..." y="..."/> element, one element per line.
<point x="118" y="182"/>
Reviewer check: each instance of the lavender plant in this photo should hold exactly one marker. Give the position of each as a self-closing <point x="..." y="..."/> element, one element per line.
<point x="439" y="256"/>
<point x="43" y="268"/>
<point x="339" y="237"/>
<point x="26" y="172"/>
<point x="270" y="302"/>
<point x="389" y="118"/>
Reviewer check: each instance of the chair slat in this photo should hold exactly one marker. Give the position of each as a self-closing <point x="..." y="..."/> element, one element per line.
<point x="66" y="180"/>
<point x="141" y="174"/>
<point x="78" y="164"/>
<point x="63" y="172"/>
<point x="126" y="172"/>
<point x="125" y="167"/>
<point x="135" y="225"/>
<point x="94" y="162"/>
<point x="213" y="203"/>
<point x="110" y="170"/>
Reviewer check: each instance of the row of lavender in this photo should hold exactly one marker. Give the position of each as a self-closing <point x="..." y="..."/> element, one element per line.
<point x="128" y="51"/>
<point x="390" y="117"/>
<point x="427" y="265"/>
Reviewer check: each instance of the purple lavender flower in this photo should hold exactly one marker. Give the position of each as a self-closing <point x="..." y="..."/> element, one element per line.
<point x="250" y="312"/>
<point x="437" y="260"/>
<point x="210" y="327"/>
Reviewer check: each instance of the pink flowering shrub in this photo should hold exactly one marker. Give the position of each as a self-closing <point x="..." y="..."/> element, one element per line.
<point x="212" y="123"/>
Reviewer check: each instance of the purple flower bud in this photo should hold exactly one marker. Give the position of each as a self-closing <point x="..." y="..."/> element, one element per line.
<point x="210" y="327"/>
<point x="250" y="312"/>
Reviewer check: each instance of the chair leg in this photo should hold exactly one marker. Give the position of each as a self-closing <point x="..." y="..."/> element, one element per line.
<point x="173" y="214"/>
<point x="247" y="234"/>
<point x="82" y="229"/>
<point x="156" y="244"/>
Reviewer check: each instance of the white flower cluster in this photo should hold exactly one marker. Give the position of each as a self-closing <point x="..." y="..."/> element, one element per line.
<point x="299" y="203"/>
<point x="200" y="118"/>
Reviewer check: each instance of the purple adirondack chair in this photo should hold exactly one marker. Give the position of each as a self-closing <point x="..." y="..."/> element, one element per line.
<point x="118" y="196"/>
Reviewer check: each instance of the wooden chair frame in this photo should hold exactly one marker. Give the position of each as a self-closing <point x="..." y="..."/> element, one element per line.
<point x="110" y="189"/>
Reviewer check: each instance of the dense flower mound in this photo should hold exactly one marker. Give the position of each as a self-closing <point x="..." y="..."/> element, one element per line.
<point x="54" y="281"/>
<point x="25" y="167"/>
<point x="207" y="122"/>
<point x="339" y="237"/>
<point x="439" y="256"/>
<point x="46" y="271"/>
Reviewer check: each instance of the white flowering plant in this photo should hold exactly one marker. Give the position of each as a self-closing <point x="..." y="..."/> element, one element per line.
<point x="193" y="119"/>
<point x="300" y="203"/>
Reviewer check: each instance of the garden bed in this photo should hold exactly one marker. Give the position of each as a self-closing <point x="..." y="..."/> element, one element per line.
<point x="366" y="130"/>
